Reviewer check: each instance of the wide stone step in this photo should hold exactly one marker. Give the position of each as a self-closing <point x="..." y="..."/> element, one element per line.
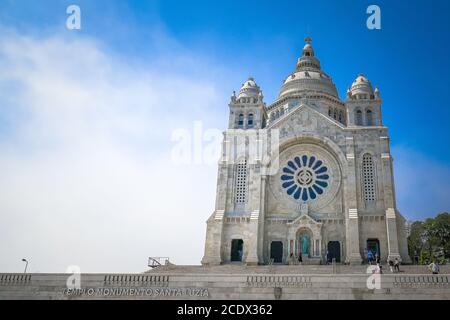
<point x="290" y="269"/>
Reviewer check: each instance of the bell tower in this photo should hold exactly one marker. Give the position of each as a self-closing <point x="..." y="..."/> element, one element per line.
<point x="247" y="110"/>
<point x="363" y="103"/>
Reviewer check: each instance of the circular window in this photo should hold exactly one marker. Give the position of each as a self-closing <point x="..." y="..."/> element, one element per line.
<point x="305" y="178"/>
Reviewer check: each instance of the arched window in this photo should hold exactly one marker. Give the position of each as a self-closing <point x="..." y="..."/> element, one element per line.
<point x="368" y="177"/>
<point x="329" y="112"/>
<point x="240" y="182"/>
<point x="240" y="121"/>
<point x="340" y="116"/>
<point x="250" y="121"/>
<point x="335" y="114"/>
<point x="358" y="118"/>
<point x="369" y="118"/>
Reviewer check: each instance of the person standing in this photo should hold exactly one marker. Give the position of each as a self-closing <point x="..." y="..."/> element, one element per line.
<point x="434" y="267"/>
<point x="377" y="258"/>
<point x="397" y="265"/>
<point x="370" y="257"/>
<point x="391" y="265"/>
<point x="240" y="253"/>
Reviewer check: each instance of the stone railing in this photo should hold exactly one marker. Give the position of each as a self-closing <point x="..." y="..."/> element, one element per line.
<point x="422" y="281"/>
<point x="279" y="281"/>
<point x="15" y="279"/>
<point x="138" y="279"/>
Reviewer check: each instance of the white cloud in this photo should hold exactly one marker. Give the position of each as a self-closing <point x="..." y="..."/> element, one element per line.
<point x="86" y="176"/>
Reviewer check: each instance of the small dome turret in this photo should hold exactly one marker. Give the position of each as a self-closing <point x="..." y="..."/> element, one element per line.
<point x="249" y="89"/>
<point x="361" y="88"/>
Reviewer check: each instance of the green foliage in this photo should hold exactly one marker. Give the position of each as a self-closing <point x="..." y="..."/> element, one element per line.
<point x="430" y="239"/>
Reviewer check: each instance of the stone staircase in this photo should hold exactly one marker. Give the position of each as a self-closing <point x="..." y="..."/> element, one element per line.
<point x="235" y="282"/>
<point x="289" y="269"/>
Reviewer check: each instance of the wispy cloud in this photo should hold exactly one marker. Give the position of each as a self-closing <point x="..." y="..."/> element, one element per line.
<point x="86" y="176"/>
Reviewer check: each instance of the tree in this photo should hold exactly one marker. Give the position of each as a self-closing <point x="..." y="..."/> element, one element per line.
<point x="416" y="239"/>
<point x="430" y="240"/>
<point x="438" y="232"/>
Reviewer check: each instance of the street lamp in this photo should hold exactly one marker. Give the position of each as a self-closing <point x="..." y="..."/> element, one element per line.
<point x="26" y="265"/>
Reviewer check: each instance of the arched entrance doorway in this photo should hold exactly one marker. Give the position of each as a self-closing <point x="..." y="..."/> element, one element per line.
<point x="276" y="251"/>
<point x="237" y="249"/>
<point x="374" y="246"/>
<point x="334" y="251"/>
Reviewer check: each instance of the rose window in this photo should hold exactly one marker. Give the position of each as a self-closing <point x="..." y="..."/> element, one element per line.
<point x="305" y="177"/>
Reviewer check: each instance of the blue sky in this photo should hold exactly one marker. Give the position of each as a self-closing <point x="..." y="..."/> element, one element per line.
<point x="407" y="58"/>
<point x="85" y="115"/>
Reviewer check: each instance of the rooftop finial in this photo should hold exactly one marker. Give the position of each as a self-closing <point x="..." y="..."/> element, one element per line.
<point x="308" y="39"/>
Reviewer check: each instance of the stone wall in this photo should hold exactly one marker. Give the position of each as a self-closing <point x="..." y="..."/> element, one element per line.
<point x="212" y="285"/>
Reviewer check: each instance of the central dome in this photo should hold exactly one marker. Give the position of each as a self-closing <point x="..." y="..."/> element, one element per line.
<point x="308" y="76"/>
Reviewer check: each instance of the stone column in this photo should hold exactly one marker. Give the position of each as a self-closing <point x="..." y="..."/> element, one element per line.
<point x="261" y="219"/>
<point x="389" y="201"/>
<point x="351" y="206"/>
<point x="213" y="243"/>
<point x="252" y="240"/>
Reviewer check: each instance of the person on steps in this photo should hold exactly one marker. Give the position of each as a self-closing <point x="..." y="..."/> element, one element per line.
<point x="397" y="265"/>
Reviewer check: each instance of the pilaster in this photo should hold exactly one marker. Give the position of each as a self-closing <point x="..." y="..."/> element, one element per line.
<point x="353" y="254"/>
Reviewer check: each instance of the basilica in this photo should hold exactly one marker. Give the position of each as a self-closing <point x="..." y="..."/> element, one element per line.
<point x="322" y="189"/>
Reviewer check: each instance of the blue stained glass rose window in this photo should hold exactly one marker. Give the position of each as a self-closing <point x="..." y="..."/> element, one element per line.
<point x="305" y="177"/>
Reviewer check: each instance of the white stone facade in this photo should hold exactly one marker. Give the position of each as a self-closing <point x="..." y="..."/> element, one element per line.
<point x="333" y="189"/>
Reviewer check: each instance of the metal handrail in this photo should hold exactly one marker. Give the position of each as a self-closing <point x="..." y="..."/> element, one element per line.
<point x="154" y="262"/>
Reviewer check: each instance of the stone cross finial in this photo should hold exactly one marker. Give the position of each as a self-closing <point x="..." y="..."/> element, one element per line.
<point x="308" y="39"/>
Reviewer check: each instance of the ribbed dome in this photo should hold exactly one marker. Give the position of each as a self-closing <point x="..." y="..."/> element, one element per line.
<point x="308" y="76"/>
<point x="249" y="89"/>
<point x="361" y="85"/>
